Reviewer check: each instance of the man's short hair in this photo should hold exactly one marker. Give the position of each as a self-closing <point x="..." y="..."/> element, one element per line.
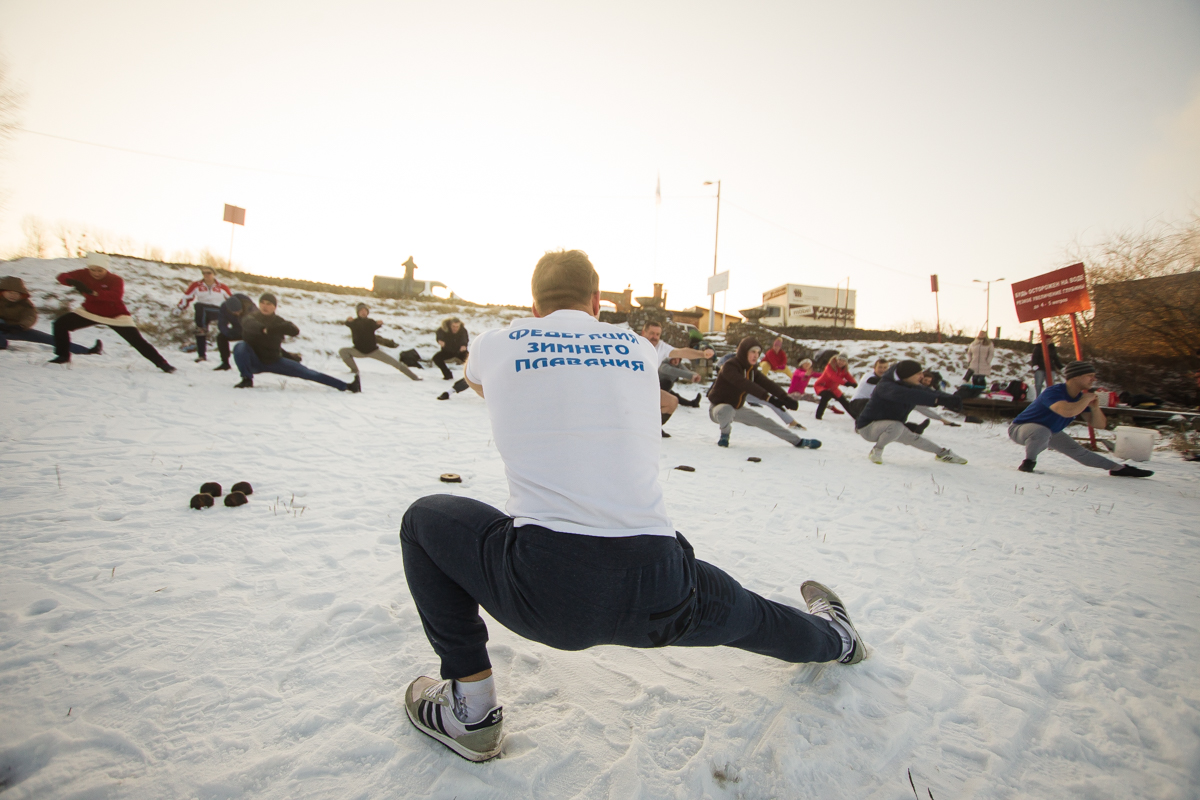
<point x="652" y="324"/>
<point x="563" y="279"/>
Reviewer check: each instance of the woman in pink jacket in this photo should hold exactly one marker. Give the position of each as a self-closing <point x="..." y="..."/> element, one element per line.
<point x="828" y="385"/>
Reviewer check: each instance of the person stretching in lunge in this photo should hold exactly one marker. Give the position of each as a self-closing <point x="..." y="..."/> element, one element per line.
<point x="209" y="294"/>
<point x="667" y="402"/>
<point x="586" y="554"/>
<point x="739" y="380"/>
<point x="452" y="338"/>
<point x="229" y="325"/>
<point x="362" y="335"/>
<point x="103" y="304"/>
<point x="866" y="385"/>
<point x="1041" y="425"/>
<point x="900" y="391"/>
<point x="828" y="385"/>
<point x="18" y="316"/>
<point x="261" y="350"/>
<point x="775" y="359"/>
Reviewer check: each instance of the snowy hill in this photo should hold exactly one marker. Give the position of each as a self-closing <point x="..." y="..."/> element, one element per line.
<point x="1031" y="635"/>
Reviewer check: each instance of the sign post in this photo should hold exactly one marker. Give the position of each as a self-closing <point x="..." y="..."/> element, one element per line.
<point x="1054" y="294"/>
<point x="717" y="283"/>
<point x="235" y="216"/>
<point x="933" y="285"/>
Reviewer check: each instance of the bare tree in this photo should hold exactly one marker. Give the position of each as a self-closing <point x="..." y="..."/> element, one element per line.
<point x="1145" y="292"/>
<point x="37" y="237"/>
<point x="10" y="107"/>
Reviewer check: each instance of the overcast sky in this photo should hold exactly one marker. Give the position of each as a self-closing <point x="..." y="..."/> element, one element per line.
<point x="875" y="142"/>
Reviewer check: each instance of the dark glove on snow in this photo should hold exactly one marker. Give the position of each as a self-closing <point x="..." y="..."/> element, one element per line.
<point x="81" y="287"/>
<point x="783" y="402"/>
<point x="291" y="356"/>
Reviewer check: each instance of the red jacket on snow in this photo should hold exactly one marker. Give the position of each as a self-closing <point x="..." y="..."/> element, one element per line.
<point x="106" y="299"/>
<point x="832" y="379"/>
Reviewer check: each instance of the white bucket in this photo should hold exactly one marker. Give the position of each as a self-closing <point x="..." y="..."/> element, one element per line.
<point x="1134" y="443"/>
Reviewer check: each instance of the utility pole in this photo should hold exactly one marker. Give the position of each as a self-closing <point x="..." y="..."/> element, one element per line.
<point x="712" y="303"/>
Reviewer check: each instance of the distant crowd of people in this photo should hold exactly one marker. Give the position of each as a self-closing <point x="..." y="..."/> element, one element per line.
<point x="251" y="336"/>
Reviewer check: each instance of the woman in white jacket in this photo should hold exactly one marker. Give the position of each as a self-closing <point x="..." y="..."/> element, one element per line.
<point x="979" y="356"/>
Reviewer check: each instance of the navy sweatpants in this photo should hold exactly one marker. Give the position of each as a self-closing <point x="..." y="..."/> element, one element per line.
<point x="18" y="334"/>
<point x="249" y="364"/>
<point x="572" y="592"/>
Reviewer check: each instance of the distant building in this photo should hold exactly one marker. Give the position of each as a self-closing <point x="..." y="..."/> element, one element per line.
<point x="797" y="305"/>
<point x="698" y="316"/>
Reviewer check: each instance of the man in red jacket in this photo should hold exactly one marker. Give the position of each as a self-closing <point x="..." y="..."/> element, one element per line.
<point x="103" y="304"/>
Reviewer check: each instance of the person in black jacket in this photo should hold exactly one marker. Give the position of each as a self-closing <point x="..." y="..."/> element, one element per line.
<point x="366" y="344"/>
<point x="229" y="325"/>
<point x="261" y="350"/>
<point x="898" y="392"/>
<point x="452" y="338"/>
<point x="738" y="379"/>
<point x="1038" y="362"/>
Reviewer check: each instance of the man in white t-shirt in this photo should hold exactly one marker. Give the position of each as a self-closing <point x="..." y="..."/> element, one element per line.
<point x="586" y="553"/>
<point x="667" y="402"/>
<point x="866" y="385"/>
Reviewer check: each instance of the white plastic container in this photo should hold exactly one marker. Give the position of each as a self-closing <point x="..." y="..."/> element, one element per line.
<point x="1135" y="444"/>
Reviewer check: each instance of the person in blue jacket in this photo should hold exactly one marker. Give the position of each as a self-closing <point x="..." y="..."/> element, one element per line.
<point x="229" y="325"/>
<point x="898" y="392"/>
<point x="1042" y="424"/>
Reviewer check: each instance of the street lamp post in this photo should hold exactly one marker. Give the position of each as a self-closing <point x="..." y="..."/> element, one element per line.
<point x="712" y="298"/>
<point x="987" y="325"/>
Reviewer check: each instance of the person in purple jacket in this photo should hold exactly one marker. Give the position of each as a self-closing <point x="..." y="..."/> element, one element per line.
<point x="1040" y="426"/>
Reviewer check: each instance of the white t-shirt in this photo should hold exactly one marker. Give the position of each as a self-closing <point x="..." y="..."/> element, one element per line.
<point x="664" y="351"/>
<point x="574" y="405"/>
<point x="864" y="390"/>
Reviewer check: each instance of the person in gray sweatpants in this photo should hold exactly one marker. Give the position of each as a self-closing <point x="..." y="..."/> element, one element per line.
<point x="737" y="382"/>
<point x="362" y="333"/>
<point x="1042" y="424"/>
<point x="883" y="419"/>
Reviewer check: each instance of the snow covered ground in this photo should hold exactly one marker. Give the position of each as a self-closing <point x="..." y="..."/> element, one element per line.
<point x="1031" y="635"/>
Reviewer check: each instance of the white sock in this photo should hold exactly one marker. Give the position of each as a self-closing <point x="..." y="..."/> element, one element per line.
<point x="847" y="642"/>
<point x="474" y="699"/>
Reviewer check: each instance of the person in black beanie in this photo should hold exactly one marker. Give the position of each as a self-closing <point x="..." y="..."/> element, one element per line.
<point x="229" y="326"/>
<point x="261" y="350"/>
<point x="900" y="391"/>
<point x="1042" y="424"/>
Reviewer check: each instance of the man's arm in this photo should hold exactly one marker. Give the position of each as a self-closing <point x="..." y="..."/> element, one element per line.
<point x="690" y="352"/>
<point x="1096" y="417"/>
<point x="1065" y="408"/>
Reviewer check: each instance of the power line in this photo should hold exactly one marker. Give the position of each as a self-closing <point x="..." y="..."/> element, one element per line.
<point x="168" y="157"/>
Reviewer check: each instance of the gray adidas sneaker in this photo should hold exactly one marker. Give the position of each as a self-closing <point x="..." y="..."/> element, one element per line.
<point x="430" y="707"/>
<point x="823" y="602"/>
<point x="949" y="456"/>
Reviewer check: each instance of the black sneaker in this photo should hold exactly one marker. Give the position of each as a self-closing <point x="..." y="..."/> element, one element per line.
<point x="665" y="435"/>
<point x="96" y="349"/>
<point x="201" y="358"/>
<point x="1130" y="471"/>
<point x="222" y="367"/>
<point x="1027" y="465"/>
<point x="355" y="385"/>
<point x="247" y="383"/>
<point x="59" y="360"/>
<point x="167" y="368"/>
<point x="444" y="396"/>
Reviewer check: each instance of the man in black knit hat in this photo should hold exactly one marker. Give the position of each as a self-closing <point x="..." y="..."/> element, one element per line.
<point x="1041" y="425"/>
<point x="898" y="392"/>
